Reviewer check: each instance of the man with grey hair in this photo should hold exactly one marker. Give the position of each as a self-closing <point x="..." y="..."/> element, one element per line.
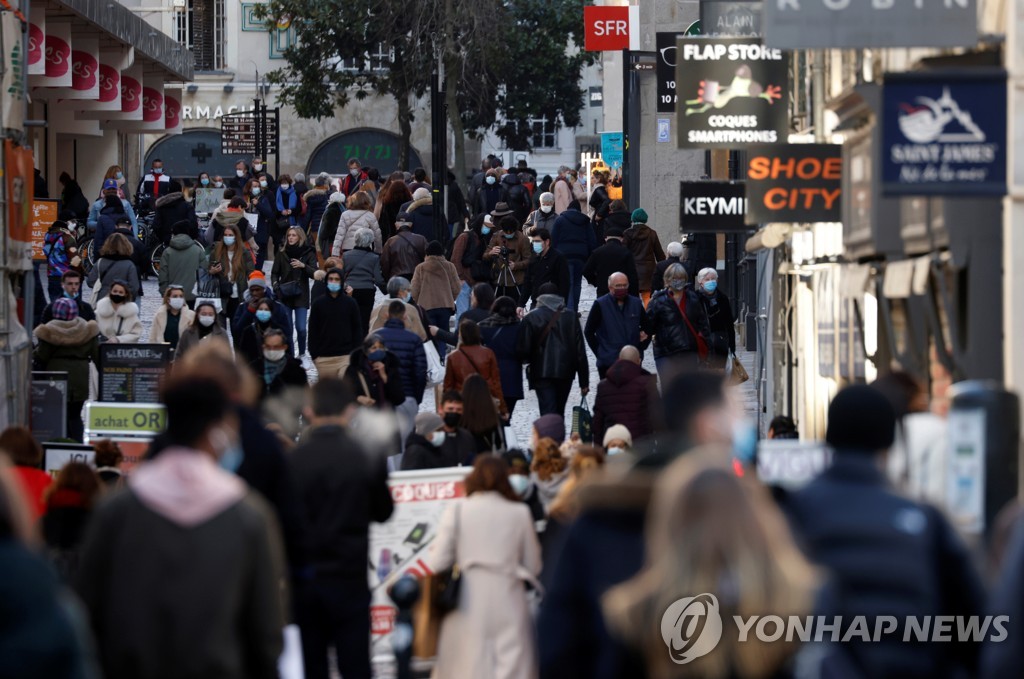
<point x="404" y="251"/>
<point x="400" y="288"/>
<point x="362" y="273"/>
<point x="562" y="190"/>
<point x="544" y="216"/>
<point x="616" y="320"/>
<point x="316" y="204"/>
<point x="674" y="250"/>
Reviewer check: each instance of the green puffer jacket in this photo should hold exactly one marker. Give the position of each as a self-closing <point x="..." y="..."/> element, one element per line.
<point x="68" y="346"/>
<point x="179" y="263"/>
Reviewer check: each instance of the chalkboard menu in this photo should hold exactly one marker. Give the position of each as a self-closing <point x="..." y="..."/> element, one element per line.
<point x="131" y="373"/>
<point x="49" y="404"/>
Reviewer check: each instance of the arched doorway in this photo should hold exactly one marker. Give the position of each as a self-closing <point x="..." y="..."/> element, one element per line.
<point x="373" y="148"/>
<point x="187" y="154"/>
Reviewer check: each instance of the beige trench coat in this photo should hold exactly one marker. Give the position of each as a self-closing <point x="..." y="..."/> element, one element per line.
<point x="491" y="634"/>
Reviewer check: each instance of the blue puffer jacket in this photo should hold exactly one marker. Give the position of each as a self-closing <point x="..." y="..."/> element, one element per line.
<point x="501" y="339"/>
<point x="573" y="236"/>
<point x="408" y="349"/>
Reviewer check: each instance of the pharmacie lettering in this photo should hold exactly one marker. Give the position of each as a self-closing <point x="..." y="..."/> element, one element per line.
<point x="715" y="206"/>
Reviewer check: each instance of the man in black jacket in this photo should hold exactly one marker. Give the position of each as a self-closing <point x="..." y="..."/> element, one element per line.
<point x="611" y="257"/>
<point x="71" y="281"/>
<point x="343" y="489"/>
<point x="171" y="209"/>
<point x="884" y="554"/>
<point x="550" y="341"/>
<point x="547" y="266"/>
<point x="335" y="328"/>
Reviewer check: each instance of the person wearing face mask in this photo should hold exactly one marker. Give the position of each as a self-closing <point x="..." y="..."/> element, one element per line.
<point x="289" y="208"/>
<point x="618" y="443"/>
<point x="231" y="263"/>
<point x="642" y="241"/>
<point x="546" y="266"/>
<point x="376" y="374"/>
<point x="71" y="288"/>
<point x="240" y="177"/>
<point x="509" y="252"/>
<point x="115" y="264"/>
<point x="490" y="194"/>
<point x="154" y="184"/>
<point x="217" y="182"/>
<point x="561" y="188"/>
<point x="280" y="372"/>
<point x="586" y="463"/>
<point x="616" y="320"/>
<point x="678" y="324"/>
<point x="401" y="289"/>
<point x="204" y="325"/>
<point x="182" y="507"/>
<point x="172" y="319"/>
<point x="720" y="321"/>
<point x="250" y="342"/>
<point x="116" y="173"/>
<point x="335" y="328"/>
<point x="470" y="265"/>
<point x="260" y="171"/>
<point x="261" y="204"/>
<point x="459" y="444"/>
<point x="355" y="177"/>
<point x="203" y="181"/>
<point x="180" y="262"/>
<point x="609" y="258"/>
<point x="544" y="216"/>
<point x="424" y="448"/>
<point x="259" y="290"/>
<point x="523" y="486"/>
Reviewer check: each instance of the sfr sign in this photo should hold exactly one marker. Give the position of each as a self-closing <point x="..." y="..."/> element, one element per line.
<point x="607" y="28"/>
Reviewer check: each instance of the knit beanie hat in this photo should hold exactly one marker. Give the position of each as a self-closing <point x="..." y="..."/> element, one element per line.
<point x="617" y="432"/>
<point x="861" y="419"/>
<point x="420" y="194"/>
<point x="65" y="309"/>
<point x="550" y="427"/>
<point x="428" y="423"/>
<point x="639" y="216"/>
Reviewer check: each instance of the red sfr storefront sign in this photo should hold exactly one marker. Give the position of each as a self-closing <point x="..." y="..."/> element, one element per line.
<point x="607" y="28"/>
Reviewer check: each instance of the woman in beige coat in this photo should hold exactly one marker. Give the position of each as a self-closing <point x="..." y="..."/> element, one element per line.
<point x="435" y="287"/>
<point x="490" y="536"/>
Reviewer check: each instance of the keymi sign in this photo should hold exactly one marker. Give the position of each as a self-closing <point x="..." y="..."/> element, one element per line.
<point x="795" y="183"/>
<point x="944" y="133"/>
<point x="733" y="93"/>
<point x="712" y="207"/>
<point x="846" y="24"/>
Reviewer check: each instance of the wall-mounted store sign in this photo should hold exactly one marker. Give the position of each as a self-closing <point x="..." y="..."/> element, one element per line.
<point x="212" y="112"/>
<point x="845" y="24"/>
<point x="712" y="207"/>
<point x="795" y="183"/>
<point x="732" y="93"/>
<point x="730" y="18"/>
<point x="944" y="133"/>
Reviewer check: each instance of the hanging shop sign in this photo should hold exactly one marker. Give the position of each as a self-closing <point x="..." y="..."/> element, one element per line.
<point x="665" y="70"/>
<point x="730" y="18"/>
<point x="854" y="24"/>
<point x="733" y="93"/>
<point x="606" y="28"/>
<point x="944" y="133"/>
<point x="713" y="207"/>
<point x="795" y="183"/>
<point x="128" y="420"/>
<point x="612" y="149"/>
<point x="56" y="52"/>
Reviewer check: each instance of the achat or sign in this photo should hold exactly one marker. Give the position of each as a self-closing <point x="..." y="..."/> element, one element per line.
<point x="854" y="24"/>
<point x="732" y="93"/>
<point x="795" y="183"/>
<point x="111" y="420"/>
<point x="944" y="133"/>
<point x="606" y="28"/>
<point x="712" y="207"/>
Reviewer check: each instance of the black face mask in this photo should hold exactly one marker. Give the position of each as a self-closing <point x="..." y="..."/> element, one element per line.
<point x="117" y="299"/>
<point x="452" y="420"/>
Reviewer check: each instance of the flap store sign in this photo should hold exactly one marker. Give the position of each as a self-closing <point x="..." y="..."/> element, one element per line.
<point x="732" y="93"/>
<point x="795" y="183"/>
<point x="712" y="207"/>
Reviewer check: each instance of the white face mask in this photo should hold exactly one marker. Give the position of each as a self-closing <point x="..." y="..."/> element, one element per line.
<point x="207" y="321"/>
<point x="239" y="173"/>
<point x="273" y="355"/>
<point x="437" y="438"/>
<point x="616" y="450"/>
<point x="176" y="302"/>
<point x="263" y="183"/>
<point x="285" y="186"/>
<point x="520" y="484"/>
<point x="354" y="172"/>
<point x="546" y="209"/>
<point x="257" y="166"/>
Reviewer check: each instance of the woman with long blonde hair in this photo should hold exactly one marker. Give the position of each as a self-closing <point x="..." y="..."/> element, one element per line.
<point x="115" y="172"/>
<point x="232" y="263"/>
<point x="710" y="532"/>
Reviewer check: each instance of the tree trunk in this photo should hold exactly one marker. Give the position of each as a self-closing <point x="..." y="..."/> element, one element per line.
<point x="453" y="72"/>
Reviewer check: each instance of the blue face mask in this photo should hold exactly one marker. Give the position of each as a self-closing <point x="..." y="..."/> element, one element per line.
<point x="263" y="316"/>
<point x="711" y="286"/>
<point x="204" y="181"/>
<point x="120" y="175"/>
<point x="334" y="287"/>
<point x="231" y="459"/>
<point x="486" y="230"/>
<point x="538" y="248"/>
<point x="68" y="295"/>
<point x="377" y="356"/>
<point x="744" y="441"/>
<point x="509" y="236"/>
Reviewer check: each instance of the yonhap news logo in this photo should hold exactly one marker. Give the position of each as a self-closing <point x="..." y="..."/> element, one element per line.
<point x="691" y="627"/>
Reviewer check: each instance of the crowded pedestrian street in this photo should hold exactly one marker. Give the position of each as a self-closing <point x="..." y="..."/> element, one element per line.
<point x="511" y="339"/>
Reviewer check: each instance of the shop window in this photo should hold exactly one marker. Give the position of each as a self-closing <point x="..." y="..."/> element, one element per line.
<point x="199" y="27"/>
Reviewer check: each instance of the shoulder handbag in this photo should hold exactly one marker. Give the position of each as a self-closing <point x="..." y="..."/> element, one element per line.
<point x="702" y="344"/>
<point x="582" y="421"/>
<point x="448" y="583"/>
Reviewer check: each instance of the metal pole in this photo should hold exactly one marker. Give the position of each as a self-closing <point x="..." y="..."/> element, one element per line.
<point x="256" y="122"/>
<point x="630" y="132"/>
<point x="438" y="137"/>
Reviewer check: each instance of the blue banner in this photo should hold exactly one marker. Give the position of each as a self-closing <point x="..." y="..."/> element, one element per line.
<point x="944" y="133"/>
<point x="611" y="149"/>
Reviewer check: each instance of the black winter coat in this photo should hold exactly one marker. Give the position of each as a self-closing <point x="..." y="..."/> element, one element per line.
<point x="335" y="326"/>
<point x="548" y="268"/>
<point x="500" y="337"/>
<point x="329" y="228"/>
<point x="612" y="257"/>
<point x="292" y="375"/>
<point x="316" y="206"/>
<point x="573" y="235"/>
<point x="718" y="313"/>
<point x="671" y="334"/>
<point x="387" y="395"/>
<point x="562" y="354"/>
<point x="518" y="198"/>
<point x="283" y="272"/>
<point x="170" y="210"/>
<point x="658" y="279"/>
<point x="421" y="454"/>
<point x="626" y="396"/>
<point x="342" y="490"/>
<point x="408" y="349"/>
<point x="887" y="555"/>
<point x="488" y="196"/>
